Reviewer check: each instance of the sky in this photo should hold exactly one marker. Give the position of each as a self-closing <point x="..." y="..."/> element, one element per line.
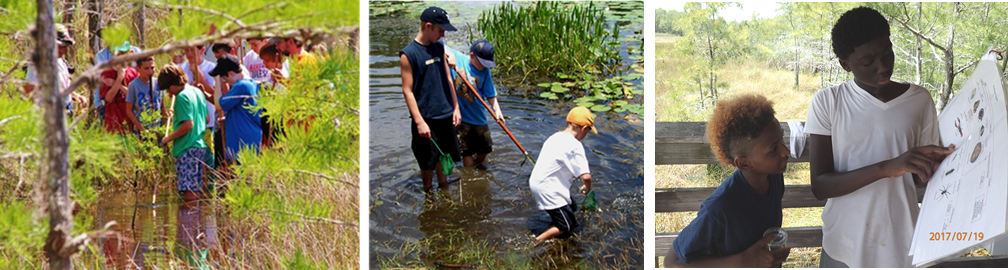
<point x="764" y="9"/>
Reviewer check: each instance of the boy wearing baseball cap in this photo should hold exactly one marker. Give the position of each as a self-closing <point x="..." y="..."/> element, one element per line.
<point x="240" y="106"/>
<point x="427" y="89"/>
<point x="474" y="132"/>
<point x="561" y="161"/>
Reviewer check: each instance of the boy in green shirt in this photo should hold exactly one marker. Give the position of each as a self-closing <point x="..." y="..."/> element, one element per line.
<point x="189" y="123"/>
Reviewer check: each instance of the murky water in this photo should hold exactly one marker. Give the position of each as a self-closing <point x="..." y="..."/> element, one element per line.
<point x="154" y="229"/>
<point x="492" y="211"/>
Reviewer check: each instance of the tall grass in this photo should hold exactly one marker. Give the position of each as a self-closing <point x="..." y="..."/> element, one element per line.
<point x="549" y="37"/>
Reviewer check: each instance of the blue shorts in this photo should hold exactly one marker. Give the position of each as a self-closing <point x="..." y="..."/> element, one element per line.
<point x="189" y="170"/>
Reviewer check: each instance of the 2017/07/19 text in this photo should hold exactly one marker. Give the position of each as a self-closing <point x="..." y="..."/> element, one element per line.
<point x="956" y="236"/>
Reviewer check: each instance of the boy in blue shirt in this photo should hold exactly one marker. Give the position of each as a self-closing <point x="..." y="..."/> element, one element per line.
<point x="241" y="110"/>
<point x="728" y="229"/>
<point x="144" y="96"/>
<point x="474" y="133"/>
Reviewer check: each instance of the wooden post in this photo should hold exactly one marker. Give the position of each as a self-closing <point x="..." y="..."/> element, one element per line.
<point x="55" y="159"/>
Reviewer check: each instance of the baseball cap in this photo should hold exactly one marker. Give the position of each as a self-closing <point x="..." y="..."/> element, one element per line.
<point x="63" y="36"/>
<point x="225" y="63"/>
<point x="583" y="117"/>
<point x="484" y="51"/>
<point x="438" y="16"/>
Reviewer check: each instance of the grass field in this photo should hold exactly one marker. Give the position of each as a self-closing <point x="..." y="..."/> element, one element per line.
<point x="676" y="103"/>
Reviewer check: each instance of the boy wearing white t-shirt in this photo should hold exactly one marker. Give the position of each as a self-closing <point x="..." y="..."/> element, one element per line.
<point x="870" y="141"/>
<point x="561" y="161"/>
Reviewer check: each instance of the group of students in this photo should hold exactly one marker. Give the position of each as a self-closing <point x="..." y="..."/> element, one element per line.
<point x="215" y="111"/>
<point x="446" y="118"/>
<point x="865" y="166"/>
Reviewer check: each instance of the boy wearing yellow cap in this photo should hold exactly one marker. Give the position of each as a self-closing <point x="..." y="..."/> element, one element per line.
<point x="561" y="161"/>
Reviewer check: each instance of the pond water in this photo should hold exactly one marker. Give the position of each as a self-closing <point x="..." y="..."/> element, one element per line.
<point x="151" y="228"/>
<point x="492" y="212"/>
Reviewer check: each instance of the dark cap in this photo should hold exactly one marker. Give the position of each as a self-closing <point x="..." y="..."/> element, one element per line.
<point x="226" y="63"/>
<point x="484" y="51"/>
<point x="438" y="16"/>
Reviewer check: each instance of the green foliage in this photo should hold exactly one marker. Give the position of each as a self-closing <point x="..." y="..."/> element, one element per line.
<point x="665" y="21"/>
<point x="299" y="262"/>
<point x="280" y="15"/>
<point x="22" y="236"/>
<point x="20" y="127"/>
<point x="568" y="37"/>
<point x="116" y="34"/>
<point x="17" y="15"/>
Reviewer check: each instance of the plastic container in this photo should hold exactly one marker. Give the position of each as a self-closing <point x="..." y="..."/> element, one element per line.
<point x="780" y="242"/>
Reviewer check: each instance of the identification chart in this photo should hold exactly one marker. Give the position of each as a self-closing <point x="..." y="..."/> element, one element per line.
<point x="965" y="202"/>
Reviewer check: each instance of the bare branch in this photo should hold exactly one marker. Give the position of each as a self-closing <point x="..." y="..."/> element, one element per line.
<point x="314" y="218"/>
<point x="95" y="70"/>
<point x="926" y="38"/>
<point x="324" y="176"/>
<point x="17" y="155"/>
<point x="963" y="68"/>
<point x="205" y="10"/>
<point x="78" y="242"/>
<point x="8" y="119"/>
<point x="266" y="7"/>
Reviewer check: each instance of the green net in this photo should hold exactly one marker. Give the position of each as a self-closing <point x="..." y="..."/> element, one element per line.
<point x="589" y="202"/>
<point x="447" y="164"/>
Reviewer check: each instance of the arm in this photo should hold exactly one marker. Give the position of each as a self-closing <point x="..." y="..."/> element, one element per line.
<point x="586" y="180"/>
<point x="828" y="183"/>
<point x="116" y="86"/>
<point x="755" y="256"/>
<point x="132" y="117"/>
<point x="182" y="130"/>
<point x="411" y="103"/>
<point x="456" y="115"/>
<point x="497" y="110"/>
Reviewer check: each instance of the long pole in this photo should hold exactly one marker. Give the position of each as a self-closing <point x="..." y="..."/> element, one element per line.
<point x="487" y="106"/>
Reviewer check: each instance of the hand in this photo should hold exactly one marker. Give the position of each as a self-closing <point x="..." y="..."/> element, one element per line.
<point x="500" y="116"/>
<point x="450" y="58"/>
<point x="758" y="255"/>
<point x="423" y="129"/>
<point x="165" y="141"/>
<point x="584" y="190"/>
<point x="921" y="161"/>
<point x="456" y="117"/>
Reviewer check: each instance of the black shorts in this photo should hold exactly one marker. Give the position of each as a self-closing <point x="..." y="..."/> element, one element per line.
<point x="443" y="132"/>
<point x="563" y="219"/>
<point x="474" y="139"/>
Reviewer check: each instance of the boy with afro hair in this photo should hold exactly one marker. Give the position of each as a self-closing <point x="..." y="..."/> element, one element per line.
<point x="870" y="140"/>
<point x="728" y="229"/>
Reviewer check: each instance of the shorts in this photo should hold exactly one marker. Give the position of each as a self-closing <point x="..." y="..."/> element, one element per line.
<point x="474" y="139"/>
<point x="189" y="170"/>
<point x="443" y="132"/>
<point x="563" y="219"/>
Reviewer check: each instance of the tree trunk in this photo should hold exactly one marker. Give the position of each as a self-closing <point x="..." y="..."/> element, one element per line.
<point x="918" y="63"/>
<point x="949" y="60"/>
<point x="141" y="23"/>
<point x="94" y="8"/>
<point x="55" y="170"/>
<point x="69" y="8"/>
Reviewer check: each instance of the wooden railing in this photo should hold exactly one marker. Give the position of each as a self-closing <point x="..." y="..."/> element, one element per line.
<point x="685" y="143"/>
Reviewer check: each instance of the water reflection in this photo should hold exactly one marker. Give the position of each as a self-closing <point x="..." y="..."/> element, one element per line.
<point x="152" y="228"/>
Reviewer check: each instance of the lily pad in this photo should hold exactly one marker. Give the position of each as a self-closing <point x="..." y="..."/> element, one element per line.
<point x="620" y="102"/>
<point x="547" y="95"/>
<point x="559" y="89"/>
<point x="601" y="108"/>
<point x="544" y="84"/>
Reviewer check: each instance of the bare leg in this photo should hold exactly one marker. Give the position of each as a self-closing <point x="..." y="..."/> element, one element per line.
<point x="480" y="159"/>
<point x="467" y="161"/>
<point x="189" y="196"/>
<point x="427" y="177"/>
<point x="442" y="179"/>
<point x="548" y="234"/>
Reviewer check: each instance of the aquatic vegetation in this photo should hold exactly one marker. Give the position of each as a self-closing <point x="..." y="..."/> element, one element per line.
<point x="549" y="37"/>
